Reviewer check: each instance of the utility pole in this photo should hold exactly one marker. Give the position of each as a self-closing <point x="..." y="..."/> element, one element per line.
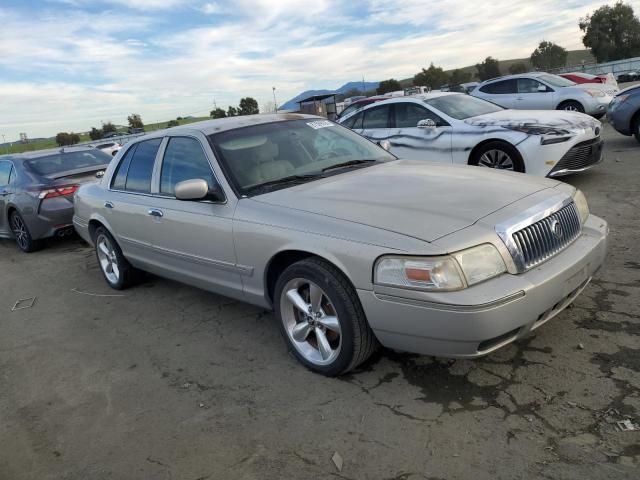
<point x="274" y="98"/>
<point x="363" y="90"/>
<point x="6" y="146"/>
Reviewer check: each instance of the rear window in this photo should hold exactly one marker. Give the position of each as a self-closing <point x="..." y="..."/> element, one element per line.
<point x="141" y="166"/>
<point x="54" y="165"/>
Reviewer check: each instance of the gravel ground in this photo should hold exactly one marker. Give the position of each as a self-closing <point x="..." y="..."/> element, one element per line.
<point x="171" y="382"/>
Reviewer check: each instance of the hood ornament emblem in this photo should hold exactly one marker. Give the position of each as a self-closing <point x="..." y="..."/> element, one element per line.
<point x="556" y="229"/>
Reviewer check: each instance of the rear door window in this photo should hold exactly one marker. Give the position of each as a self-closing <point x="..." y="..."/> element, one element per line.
<point x="5" y="173"/>
<point x="120" y="178"/>
<point x="501" y="88"/>
<point x="376" y="117"/>
<point x="355" y="122"/>
<point x="141" y="166"/>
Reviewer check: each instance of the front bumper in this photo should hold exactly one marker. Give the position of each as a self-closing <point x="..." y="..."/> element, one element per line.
<point x="476" y="321"/>
<point x="579" y="158"/>
<point x="597" y="106"/>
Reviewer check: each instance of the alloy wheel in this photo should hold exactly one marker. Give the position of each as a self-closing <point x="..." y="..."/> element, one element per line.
<point x="496" y="159"/>
<point x="20" y="231"/>
<point x="311" y="321"/>
<point x="108" y="259"/>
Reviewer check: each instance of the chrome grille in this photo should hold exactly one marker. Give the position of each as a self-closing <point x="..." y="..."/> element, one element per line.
<point x="580" y="156"/>
<point x="547" y="237"/>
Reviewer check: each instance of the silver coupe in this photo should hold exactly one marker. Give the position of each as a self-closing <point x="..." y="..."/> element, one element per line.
<point x="349" y="245"/>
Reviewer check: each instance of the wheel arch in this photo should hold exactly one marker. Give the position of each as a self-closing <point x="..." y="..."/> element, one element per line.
<point x="569" y="100"/>
<point x="635" y="118"/>
<point x="475" y="149"/>
<point x="96" y="222"/>
<point x="280" y="261"/>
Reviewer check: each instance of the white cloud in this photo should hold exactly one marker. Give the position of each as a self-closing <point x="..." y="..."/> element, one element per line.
<point x="72" y="70"/>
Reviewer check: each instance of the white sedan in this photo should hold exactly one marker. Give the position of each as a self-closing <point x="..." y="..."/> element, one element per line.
<point x="461" y="129"/>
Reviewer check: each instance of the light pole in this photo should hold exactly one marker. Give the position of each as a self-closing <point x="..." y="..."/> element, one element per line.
<point x="6" y="146"/>
<point x="274" y="98"/>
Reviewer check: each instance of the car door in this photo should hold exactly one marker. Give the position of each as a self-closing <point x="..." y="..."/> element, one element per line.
<point x="193" y="240"/>
<point x="6" y="169"/>
<point x="501" y="92"/>
<point x="130" y="205"/>
<point x="533" y="95"/>
<point x="375" y="122"/>
<point x="409" y="141"/>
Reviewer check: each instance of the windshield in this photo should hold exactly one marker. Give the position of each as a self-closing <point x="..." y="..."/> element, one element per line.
<point x="462" y="106"/>
<point x="556" y="81"/>
<point x="264" y="154"/>
<point x="52" y="165"/>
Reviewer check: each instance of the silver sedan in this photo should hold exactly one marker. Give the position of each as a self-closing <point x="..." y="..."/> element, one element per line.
<point x="350" y="246"/>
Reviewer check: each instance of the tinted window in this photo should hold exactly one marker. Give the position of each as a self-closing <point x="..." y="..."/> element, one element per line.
<point x="58" y="163"/>
<point x="120" y="178"/>
<point x="502" y="87"/>
<point x="5" y="173"/>
<point x="184" y="159"/>
<point x="141" y="166"/>
<point x="354" y="122"/>
<point x="529" y="85"/>
<point x="376" y="117"/>
<point x="407" y="115"/>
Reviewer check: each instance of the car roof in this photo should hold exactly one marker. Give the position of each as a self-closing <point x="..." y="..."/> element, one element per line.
<point x="518" y="75"/>
<point x="219" y="125"/>
<point x="418" y="96"/>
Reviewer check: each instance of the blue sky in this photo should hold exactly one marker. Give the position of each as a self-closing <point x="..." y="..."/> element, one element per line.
<point x="71" y="64"/>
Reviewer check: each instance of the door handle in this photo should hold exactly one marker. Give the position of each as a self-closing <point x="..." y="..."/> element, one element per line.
<point x="154" y="212"/>
<point x="108" y="205"/>
<point x="3" y="193"/>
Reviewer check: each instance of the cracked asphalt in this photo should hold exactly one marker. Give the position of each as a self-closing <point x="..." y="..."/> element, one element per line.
<point x="171" y="382"/>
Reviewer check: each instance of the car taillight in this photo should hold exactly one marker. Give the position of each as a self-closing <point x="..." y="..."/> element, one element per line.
<point x="62" y="191"/>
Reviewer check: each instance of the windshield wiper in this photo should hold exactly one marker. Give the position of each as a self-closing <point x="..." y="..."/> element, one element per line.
<point x="283" y="181"/>
<point x="347" y="164"/>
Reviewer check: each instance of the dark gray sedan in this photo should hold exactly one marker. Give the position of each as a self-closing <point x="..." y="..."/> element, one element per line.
<point x="36" y="192"/>
<point x="624" y="112"/>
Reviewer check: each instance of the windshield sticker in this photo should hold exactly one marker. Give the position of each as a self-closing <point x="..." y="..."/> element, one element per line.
<point x="320" y="124"/>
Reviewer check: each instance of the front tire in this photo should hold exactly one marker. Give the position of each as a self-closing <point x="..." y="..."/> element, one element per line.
<point x="21" y="233"/>
<point x="571" y="106"/>
<point x="115" y="268"/>
<point x="321" y="318"/>
<point x="498" y="155"/>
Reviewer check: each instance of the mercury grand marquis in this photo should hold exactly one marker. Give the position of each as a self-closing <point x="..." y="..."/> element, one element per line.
<point x="350" y="246"/>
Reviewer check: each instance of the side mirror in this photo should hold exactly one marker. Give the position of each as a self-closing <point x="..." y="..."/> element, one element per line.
<point x="198" y="189"/>
<point x="386" y="144"/>
<point x="542" y="88"/>
<point x="427" y="123"/>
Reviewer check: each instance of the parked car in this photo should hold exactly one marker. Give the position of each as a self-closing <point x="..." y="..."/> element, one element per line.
<point x="358" y="104"/>
<point x="461" y="129"/>
<point x="350" y="246"/>
<point x="110" y="148"/>
<point x="607" y="81"/>
<point x="135" y="130"/>
<point x="113" y="134"/>
<point x="36" y="192"/>
<point x="628" y="77"/>
<point x="543" y="91"/>
<point x="624" y="112"/>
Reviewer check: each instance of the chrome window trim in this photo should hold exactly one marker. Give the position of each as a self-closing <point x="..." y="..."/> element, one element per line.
<point x="505" y="230"/>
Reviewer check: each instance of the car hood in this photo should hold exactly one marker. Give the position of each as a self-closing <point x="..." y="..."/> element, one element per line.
<point x="410" y="197"/>
<point x="549" y="118"/>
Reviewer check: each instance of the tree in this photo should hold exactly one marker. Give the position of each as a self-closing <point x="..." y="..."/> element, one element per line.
<point x="135" y="121"/>
<point x="95" y="134"/>
<point x="108" y="128"/>
<point x="354" y="92"/>
<point x="490" y="68"/>
<point x="516" y="68"/>
<point x="548" y="55"/>
<point x="433" y="77"/>
<point x="232" y="111"/>
<point x="218" y="113"/>
<point x="248" y="106"/>
<point x="63" y="138"/>
<point x="459" y="76"/>
<point x="387" y="86"/>
<point x="612" y="33"/>
<point x="173" y="123"/>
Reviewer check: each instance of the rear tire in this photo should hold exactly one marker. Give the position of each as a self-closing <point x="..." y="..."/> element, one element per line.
<point x="571" y="106"/>
<point x="330" y="335"/>
<point x="498" y="155"/>
<point x="24" y="240"/>
<point x="115" y="268"/>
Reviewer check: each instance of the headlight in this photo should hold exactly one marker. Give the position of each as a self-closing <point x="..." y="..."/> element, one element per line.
<point x="595" y="93"/>
<point x="445" y="273"/>
<point x="538" y="129"/>
<point x="581" y="204"/>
